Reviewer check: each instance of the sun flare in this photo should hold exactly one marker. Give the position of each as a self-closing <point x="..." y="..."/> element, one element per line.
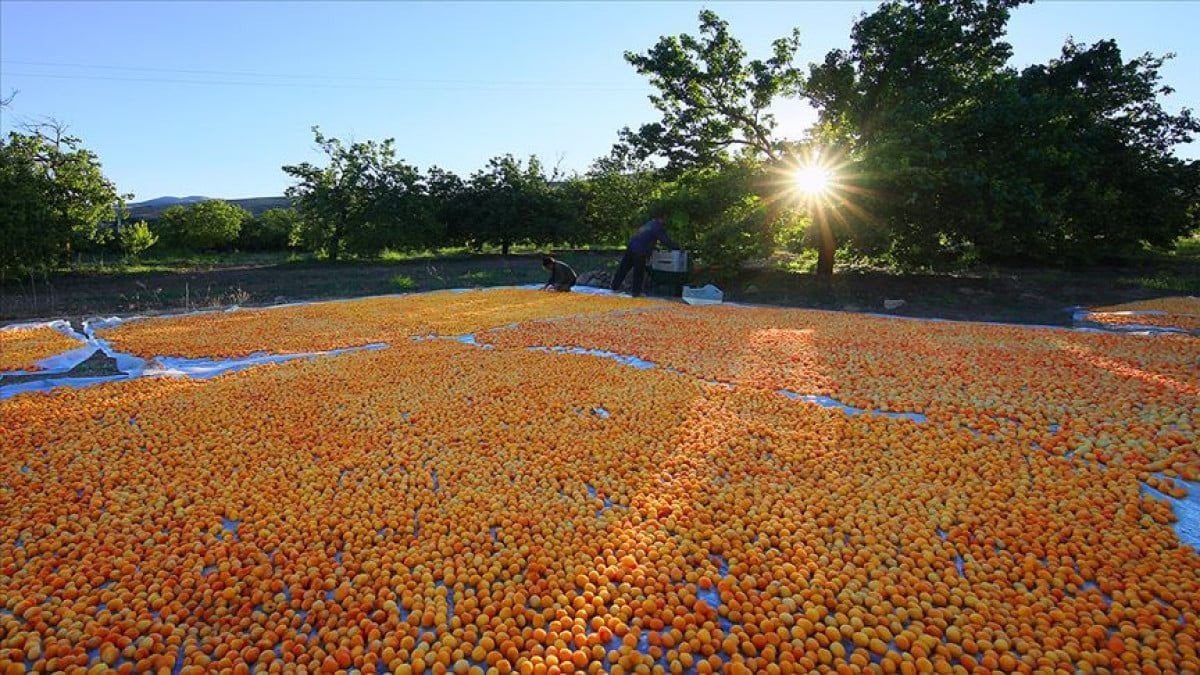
<point x="812" y="179"/>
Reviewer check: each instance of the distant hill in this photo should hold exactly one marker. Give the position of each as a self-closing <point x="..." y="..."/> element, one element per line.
<point x="153" y="208"/>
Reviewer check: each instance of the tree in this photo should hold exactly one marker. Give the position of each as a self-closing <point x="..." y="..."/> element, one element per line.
<point x="617" y="192"/>
<point x="55" y="195"/>
<point x="511" y="202"/>
<point x="31" y="235"/>
<point x="450" y="202"/>
<point x="961" y="158"/>
<point x="1098" y="154"/>
<point x="361" y="201"/>
<point x="209" y="225"/>
<point x="711" y="98"/>
<point x="270" y="231"/>
<point x="332" y="200"/>
<point x="721" y="215"/>
<point x="714" y="99"/>
<point x="399" y="213"/>
<point x="136" y="238"/>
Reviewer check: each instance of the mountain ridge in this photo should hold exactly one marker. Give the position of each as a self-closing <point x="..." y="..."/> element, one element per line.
<point x="153" y="208"/>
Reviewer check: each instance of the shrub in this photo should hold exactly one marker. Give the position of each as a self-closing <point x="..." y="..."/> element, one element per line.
<point x="135" y="238"/>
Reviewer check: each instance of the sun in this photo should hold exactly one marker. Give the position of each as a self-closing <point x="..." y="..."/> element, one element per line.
<point x="812" y="179"/>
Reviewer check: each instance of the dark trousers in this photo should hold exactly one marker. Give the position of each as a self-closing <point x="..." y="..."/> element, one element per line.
<point x="635" y="262"/>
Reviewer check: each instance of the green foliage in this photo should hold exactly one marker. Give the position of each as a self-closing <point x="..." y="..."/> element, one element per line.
<point x="451" y="206"/>
<point x="404" y="282"/>
<point x="135" y="238"/>
<point x="1165" y="281"/>
<point x="616" y="195"/>
<point x="270" y="231"/>
<point x="711" y="97"/>
<point x="203" y="226"/>
<point x="512" y="202"/>
<point x="362" y="202"/>
<point x="400" y="215"/>
<point x="959" y="158"/>
<point x="53" y="196"/>
<point x="30" y="234"/>
<point x="721" y="216"/>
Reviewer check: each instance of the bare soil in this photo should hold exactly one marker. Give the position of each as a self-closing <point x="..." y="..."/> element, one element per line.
<point x="1019" y="296"/>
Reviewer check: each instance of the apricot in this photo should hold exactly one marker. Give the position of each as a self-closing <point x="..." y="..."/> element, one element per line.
<point x="438" y="507"/>
<point x="22" y="348"/>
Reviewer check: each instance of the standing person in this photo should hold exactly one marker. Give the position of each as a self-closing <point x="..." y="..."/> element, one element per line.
<point x="638" y="251"/>
<point x="562" y="277"/>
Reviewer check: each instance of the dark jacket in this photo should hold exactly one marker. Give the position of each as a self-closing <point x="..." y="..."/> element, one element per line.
<point x="642" y="242"/>
<point x="561" y="274"/>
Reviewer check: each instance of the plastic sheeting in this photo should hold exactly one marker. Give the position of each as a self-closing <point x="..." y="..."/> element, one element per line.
<point x="164" y="366"/>
<point x="202" y="369"/>
<point x="1187" y="510"/>
<point x="1083" y="315"/>
<point x="640" y="364"/>
<point x="58" y="363"/>
<point x="10" y="390"/>
<point x="828" y="402"/>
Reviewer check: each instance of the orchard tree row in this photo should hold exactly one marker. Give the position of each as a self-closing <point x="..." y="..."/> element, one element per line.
<point x="938" y="151"/>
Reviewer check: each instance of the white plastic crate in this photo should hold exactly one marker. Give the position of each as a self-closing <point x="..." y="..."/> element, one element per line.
<point x="669" y="261"/>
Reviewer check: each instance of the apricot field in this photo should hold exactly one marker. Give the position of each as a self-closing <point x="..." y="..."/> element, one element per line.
<point x="769" y="491"/>
<point x="22" y="348"/>
<point x="1180" y="312"/>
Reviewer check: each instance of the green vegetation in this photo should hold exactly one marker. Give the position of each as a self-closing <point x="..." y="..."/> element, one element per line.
<point x="204" y="226"/>
<point x="942" y="157"/>
<point x="271" y="231"/>
<point x="136" y="239"/>
<point x="53" y="197"/>
<point x="404" y="282"/>
<point x="956" y="156"/>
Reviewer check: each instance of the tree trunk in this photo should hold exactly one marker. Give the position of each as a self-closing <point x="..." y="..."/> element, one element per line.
<point x="827" y="250"/>
<point x="335" y="241"/>
<point x="828" y="246"/>
<point x="504" y="246"/>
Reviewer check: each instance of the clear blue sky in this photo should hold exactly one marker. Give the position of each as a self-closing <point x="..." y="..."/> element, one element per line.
<point x="212" y="98"/>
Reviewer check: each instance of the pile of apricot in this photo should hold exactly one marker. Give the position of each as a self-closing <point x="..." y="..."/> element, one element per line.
<point x="436" y="507"/>
<point x="1177" y="312"/>
<point x="22" y="348"/>
<point x="350" y="323"/>
<point x="1109" y="398"/>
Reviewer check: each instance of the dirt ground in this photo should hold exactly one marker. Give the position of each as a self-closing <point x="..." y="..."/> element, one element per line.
<point x="1018" y="296"/>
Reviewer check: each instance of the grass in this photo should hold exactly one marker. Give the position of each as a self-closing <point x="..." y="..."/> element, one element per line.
<point x="105" y="264"/>
<point x="1165" y="281"/>
<point x="404" y="282"/>
<point x="176" y="261"/>
<point x="167" y="281"/>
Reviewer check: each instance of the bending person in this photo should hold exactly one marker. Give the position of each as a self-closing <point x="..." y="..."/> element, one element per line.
<point x="638" y="250"/>
<point x="562" y="277"/>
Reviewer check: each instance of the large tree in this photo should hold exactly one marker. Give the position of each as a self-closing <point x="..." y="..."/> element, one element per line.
<point x="363" y="200"/>
<point x="712" y="97"/>
<point x="31" y="235"/>
<point x="715" y="104"/>
<point x="204" y="226"/>
<point x="512" y="202"/>
<point x="54" y="196"/>
<point x="270" y="231"/>
<point x="451" y="205"/>
<point x="720" y="215"/>
<point x="960" y="157"/>
<point x="400" y="215"/>
<point x="618" y="190"/>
